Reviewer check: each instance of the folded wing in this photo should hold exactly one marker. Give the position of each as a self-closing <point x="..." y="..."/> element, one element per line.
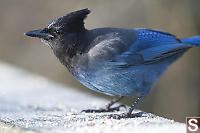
<point x="150" y="46"/>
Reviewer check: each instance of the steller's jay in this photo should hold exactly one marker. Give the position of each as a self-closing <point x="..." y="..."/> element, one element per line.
<point x="112" y="61"/>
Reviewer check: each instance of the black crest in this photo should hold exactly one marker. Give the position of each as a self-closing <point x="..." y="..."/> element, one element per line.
<point x="72" y="22"/>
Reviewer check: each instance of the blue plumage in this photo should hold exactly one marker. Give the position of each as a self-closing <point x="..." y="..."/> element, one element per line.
<point x="134" y="69"/>
<point x="113" y="61"/>
<point x="193" y="41"/>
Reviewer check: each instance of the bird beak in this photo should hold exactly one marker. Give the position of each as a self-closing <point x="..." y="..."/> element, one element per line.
<point x="39" y="34"/>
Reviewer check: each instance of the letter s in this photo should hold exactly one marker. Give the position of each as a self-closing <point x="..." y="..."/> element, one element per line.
<point x="192" y="126"/>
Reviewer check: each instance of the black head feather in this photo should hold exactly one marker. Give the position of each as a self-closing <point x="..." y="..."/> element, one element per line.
<point x="72" y="22"/>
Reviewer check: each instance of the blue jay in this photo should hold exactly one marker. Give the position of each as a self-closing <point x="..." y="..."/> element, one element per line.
<point x="113" y="61"/>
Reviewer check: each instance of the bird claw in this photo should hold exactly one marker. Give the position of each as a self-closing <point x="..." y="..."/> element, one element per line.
<point x="109" y="109"/>
<point x="125" y="115"/>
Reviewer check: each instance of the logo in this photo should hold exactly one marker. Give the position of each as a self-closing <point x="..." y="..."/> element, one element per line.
<point x="193" y="124"/>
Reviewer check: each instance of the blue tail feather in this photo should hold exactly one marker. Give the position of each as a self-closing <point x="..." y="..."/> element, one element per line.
<point x="194" y="41"/>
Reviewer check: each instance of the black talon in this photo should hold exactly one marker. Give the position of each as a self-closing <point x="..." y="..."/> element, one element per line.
<point x="129" y="114"/>
<point x="104" y="110"/>
<point x="107" y="108"/>
<point x="126" y="115"/>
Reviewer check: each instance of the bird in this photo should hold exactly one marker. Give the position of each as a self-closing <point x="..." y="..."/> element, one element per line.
<point x="114" y="61"/>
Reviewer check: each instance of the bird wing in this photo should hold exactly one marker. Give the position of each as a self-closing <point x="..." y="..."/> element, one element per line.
<point x="149" y="46"/>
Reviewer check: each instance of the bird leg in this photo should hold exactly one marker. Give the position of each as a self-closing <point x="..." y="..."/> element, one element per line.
<point x="129" y="113"/>
<point x="108" y="107"/>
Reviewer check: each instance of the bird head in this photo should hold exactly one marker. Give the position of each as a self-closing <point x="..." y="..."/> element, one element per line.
<point x="63" y="27"/>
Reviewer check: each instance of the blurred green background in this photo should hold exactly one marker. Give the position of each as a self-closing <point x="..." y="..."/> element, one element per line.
<point x="177" y="93"/>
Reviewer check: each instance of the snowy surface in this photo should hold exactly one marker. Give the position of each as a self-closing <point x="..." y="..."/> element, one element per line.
<point x="29" y="103"/>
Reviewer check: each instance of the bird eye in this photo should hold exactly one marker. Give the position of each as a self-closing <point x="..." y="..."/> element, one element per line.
<point x="52" y="31"/>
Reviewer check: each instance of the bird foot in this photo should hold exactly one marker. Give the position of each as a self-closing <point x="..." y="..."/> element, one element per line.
<point x="109" y="109"/>
<point x="125" y="115"/>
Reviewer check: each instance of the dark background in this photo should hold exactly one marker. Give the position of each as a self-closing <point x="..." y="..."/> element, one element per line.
<point x="177" y="93"/>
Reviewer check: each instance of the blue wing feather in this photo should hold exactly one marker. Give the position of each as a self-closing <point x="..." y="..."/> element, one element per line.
<point x="150" y="46"/>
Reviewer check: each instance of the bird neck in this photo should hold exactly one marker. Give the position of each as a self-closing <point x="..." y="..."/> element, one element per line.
<point x="70" y="46"/>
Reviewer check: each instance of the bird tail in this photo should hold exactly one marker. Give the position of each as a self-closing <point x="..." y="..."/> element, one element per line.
<point x="192" y="41"/>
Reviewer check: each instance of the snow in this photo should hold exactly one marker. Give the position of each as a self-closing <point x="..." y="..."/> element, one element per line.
<point x="30" y="103"/>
